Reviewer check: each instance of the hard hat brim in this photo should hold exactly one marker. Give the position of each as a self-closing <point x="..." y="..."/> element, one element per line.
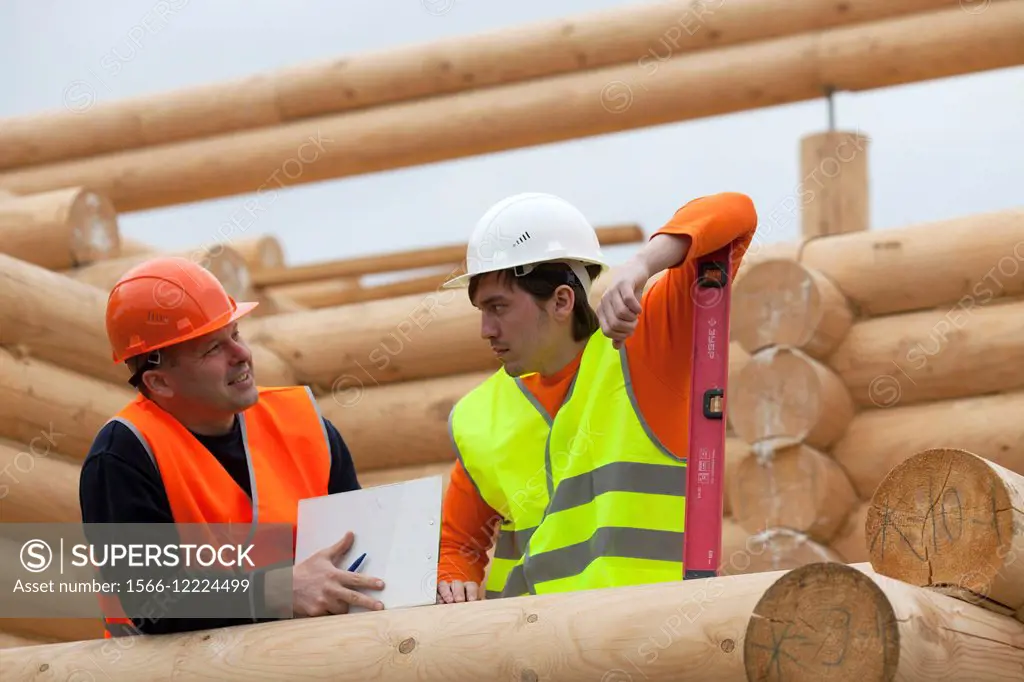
<point x="459" y="282"/>
<point x="241" y="310"/>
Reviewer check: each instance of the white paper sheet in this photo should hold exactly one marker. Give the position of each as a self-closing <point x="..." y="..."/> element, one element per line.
<point x="397" y="525"/>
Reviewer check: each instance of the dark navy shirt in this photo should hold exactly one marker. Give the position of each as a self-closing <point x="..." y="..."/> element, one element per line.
<point x="120" y="484"/>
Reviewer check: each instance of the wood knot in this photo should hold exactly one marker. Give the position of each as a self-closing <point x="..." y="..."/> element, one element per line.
<point x="407" y="645"/>
<point x="44" y="667"/>
<point x="728" y="645"/>
<point x="528" y="676"/>
<point x="205" y="637"/>
<point x="532" y="618"/>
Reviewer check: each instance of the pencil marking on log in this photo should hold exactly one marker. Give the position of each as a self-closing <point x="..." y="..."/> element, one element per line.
<point x="889" y="520"/>
<point x="776" y="648"/>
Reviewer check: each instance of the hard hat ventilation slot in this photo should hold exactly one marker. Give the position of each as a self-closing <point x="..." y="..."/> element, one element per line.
<point x="523" y="238"/>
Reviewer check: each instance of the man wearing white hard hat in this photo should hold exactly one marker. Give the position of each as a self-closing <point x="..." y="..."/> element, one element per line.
<point x="571" y="458"/>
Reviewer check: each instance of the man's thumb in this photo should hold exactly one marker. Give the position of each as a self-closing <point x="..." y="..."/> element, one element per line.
<point x="339" y="548"/>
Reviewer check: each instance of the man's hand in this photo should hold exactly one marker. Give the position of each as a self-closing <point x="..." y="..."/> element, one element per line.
<point x="457" y="591"/>
<point x="619" y="308"/>
<point x="320" y="588"/>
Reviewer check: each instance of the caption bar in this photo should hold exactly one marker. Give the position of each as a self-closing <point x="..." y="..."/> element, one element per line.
<point x="151" y="571"/>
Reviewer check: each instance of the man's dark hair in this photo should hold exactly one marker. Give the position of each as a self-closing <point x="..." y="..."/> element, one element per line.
<point x="140" y="364"/>
<point x="541" y="283"/>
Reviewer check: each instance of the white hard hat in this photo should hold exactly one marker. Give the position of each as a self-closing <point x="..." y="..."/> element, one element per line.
<point x="524" y="230"/>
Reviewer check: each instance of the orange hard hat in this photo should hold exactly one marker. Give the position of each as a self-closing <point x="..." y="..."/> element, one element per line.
<point x="165" y="301"/>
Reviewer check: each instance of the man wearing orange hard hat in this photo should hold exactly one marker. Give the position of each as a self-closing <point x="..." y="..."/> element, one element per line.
<point x="202" y="443"/>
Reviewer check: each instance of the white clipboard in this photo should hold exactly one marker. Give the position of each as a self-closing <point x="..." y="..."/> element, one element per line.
<point x="397" y="525"/>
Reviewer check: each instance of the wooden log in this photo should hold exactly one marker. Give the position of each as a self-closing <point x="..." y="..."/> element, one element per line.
<point x="8" y="641"/>
<point x="348" y="290"/>
<point x="782" y="303"/>
<point x="682" y="631"/>
<point x="392" y="340"/>
<point x="950" y="519"/>
<point x="403" y="424"/>
<point x="829" y="621"/>
<point x="37" y="483"/>
<point x="879" y="440"/>
<point x="268" y="367"/>
<point x="793" y="487"/>
<point x="56" y="629"/>
<point x="834" y="185"/>
<point x="738" y="358"/>
<point x="56" y="319"/>
<point x="135" y="247"/>
<point x="851" y="543"/>
<point x="926" y="265"/>
<point x="41" y="400"/>
<point x="878" y="54"/>
<point x="736" y="450"/>
<point x="448" y="255"/>
<point x="758" y="252"/>
<point x="320" y="294"/>
<point x="273" y="303"/>
<point x="60" y="228"/>
<point x="222" y="261"/>
<point x="932" y="355"/>
<point x="260" y="252"/>
<point x="777" y="549"/>
<point x="519" y="53"/>
<point x="784" y="394"/>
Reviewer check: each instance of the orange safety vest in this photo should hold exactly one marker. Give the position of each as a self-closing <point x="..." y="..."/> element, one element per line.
<point x="288" y="454"/>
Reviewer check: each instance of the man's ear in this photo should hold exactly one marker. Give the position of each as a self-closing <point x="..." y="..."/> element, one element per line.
<point x="156" y="383"/>
<point x="563" y="302"/>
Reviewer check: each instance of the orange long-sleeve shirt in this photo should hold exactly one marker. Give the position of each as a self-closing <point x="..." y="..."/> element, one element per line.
<point x="661" y="378"/>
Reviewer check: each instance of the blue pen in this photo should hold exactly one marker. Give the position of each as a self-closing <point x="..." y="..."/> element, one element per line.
<point x="356" y="563"/>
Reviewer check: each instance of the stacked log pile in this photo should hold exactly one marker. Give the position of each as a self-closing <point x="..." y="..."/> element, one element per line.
<point x="869" y="346"/>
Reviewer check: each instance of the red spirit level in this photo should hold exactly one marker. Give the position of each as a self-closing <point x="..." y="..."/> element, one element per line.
<point x="705" y="468"/>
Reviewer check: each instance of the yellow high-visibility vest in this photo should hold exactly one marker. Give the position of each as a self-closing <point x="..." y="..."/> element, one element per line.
<point x="591" y="499"/>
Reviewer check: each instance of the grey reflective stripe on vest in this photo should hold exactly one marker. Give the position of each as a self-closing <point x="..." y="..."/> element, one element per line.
<point x="533" y="400"/>
<point x="255" y="500"/>
<point x="122" y="629"/>
<point x="635" y="477"/>
<point x="320" y="419"/>
<point x="630" y="543"/>
<point x="138" y="434"/>
<point x="512" y="543"/>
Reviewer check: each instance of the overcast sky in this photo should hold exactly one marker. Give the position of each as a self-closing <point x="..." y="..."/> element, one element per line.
<point x="931" y="156"/>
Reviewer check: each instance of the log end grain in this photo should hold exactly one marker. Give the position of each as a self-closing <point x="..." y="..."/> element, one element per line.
<point x="795" y="487"/>
<point x="777" y="549"/>
<point x="949" y="519"/>
<point x="230" y="268"/>
<point x="784" y="393"/>
<point x="95" y="234"/>
<point x="823" y="621"/>
<point x="782" y="303"/>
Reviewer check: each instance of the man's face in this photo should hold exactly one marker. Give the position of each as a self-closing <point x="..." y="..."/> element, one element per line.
<point x="517" y="328"/>
<point x="213" y="372"/>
